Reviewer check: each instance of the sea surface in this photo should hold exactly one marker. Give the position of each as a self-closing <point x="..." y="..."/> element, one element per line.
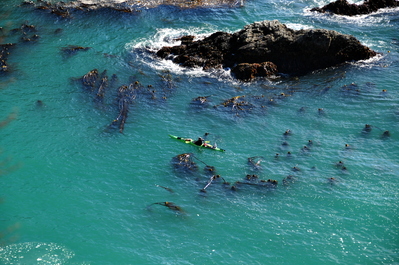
<point x="75" y="190"/>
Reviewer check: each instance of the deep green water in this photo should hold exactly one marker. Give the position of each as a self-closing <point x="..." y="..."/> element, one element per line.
<point x="80" y="194"/>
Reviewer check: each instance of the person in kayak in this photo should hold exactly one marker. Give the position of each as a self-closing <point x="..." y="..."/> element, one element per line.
<point x="199" y="142"/>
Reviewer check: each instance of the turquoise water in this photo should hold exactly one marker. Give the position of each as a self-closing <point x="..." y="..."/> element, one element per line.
<point x="80" y="193"/>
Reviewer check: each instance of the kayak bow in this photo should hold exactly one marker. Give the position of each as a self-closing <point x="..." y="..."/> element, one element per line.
<point x="191" y="141"/>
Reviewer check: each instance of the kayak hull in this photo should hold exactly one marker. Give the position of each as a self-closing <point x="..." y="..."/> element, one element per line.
<point x="191" y="141"/>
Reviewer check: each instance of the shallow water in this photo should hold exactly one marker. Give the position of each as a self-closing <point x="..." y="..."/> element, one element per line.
<point x="80" y="193"/>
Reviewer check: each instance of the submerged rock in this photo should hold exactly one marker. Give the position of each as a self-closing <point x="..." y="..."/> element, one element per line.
<point x="268" y="47"/>
<point x="342" y="7"/>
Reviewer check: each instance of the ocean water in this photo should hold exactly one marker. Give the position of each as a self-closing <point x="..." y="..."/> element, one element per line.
<point x="74" y="191"/>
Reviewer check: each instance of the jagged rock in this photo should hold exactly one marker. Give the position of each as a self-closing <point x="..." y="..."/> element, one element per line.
<point x="342" y="7"/>
<point x="248" y="71"/>
<point x="271" y="46"/>
<point x="186" y="39"/>
<point x="65" y="9"/>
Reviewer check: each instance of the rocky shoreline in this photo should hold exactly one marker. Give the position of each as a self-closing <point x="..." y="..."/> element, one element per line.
<point x="267" y="48"/>
<point x="342" y="7"/>
<point x="66" y="9"/>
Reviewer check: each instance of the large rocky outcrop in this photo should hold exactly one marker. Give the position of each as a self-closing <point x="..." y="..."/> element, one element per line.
<point x="342" y="7"/>
<point x="267" y="47"/>
<point x="65" y="9"/>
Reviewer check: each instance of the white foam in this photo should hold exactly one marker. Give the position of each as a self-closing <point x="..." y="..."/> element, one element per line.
<point x="169" y="37"/>
<point x="320" y="3"/>
<point x="374" y="18"/>
<point x="372" y="62"/>
<point x="298" y="26"/>
<point x="165" y="37"/>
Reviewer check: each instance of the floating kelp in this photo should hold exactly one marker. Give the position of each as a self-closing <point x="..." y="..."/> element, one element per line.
<point x="27" y="32"/>
<point x="170" y="205"/>
<point x="98" y="84"/>
<point x="129" y="93"/>
<point x="253" y="180"/>
<point x="367" y="128"/>
<point x="339" y="164"/>
<point x="385" y="135"/>
<point x="254" y="162"/>
<point x="149" y="92"/>
<point x="95" y="83"/>
<point x="90" y="79"/>
<point x="250" y="104"/>
<point x="126" y="95"/>
<point x="351" y="89"/>
<point x="211" y="180"/>
<point x="165" y="188"/>
<point x="201" y="101"/>
<point x="289" y="180"/>
<point x="167" y="85"/>
<point x="4" y="52"/>
<point x="295" y="168"/>
<point x="121" y="119"/>
<point x="209" y="170"/>
<point x="155" y="94"/>
<point x="237" y="105"/>
<point x="101" y="89"/>
<point x="184" y="162"/>
<point x="332" y="181"/>
<point x="270" y="183"/>
<point x="71" y="50"/>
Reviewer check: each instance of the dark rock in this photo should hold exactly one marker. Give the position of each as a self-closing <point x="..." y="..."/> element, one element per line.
<point x="248" y="71"/>
<point x="342" y="7"/>
<point x="186" y="39"/>
<point x="65" y="9"/>
<point x="263" y="47"/>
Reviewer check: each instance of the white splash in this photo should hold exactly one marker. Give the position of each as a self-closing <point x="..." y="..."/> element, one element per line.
<point x="297" y="26"/>
<point x="144" y="49"/>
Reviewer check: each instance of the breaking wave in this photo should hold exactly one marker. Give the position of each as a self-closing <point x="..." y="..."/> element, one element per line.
<point x="145" y="50"/>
